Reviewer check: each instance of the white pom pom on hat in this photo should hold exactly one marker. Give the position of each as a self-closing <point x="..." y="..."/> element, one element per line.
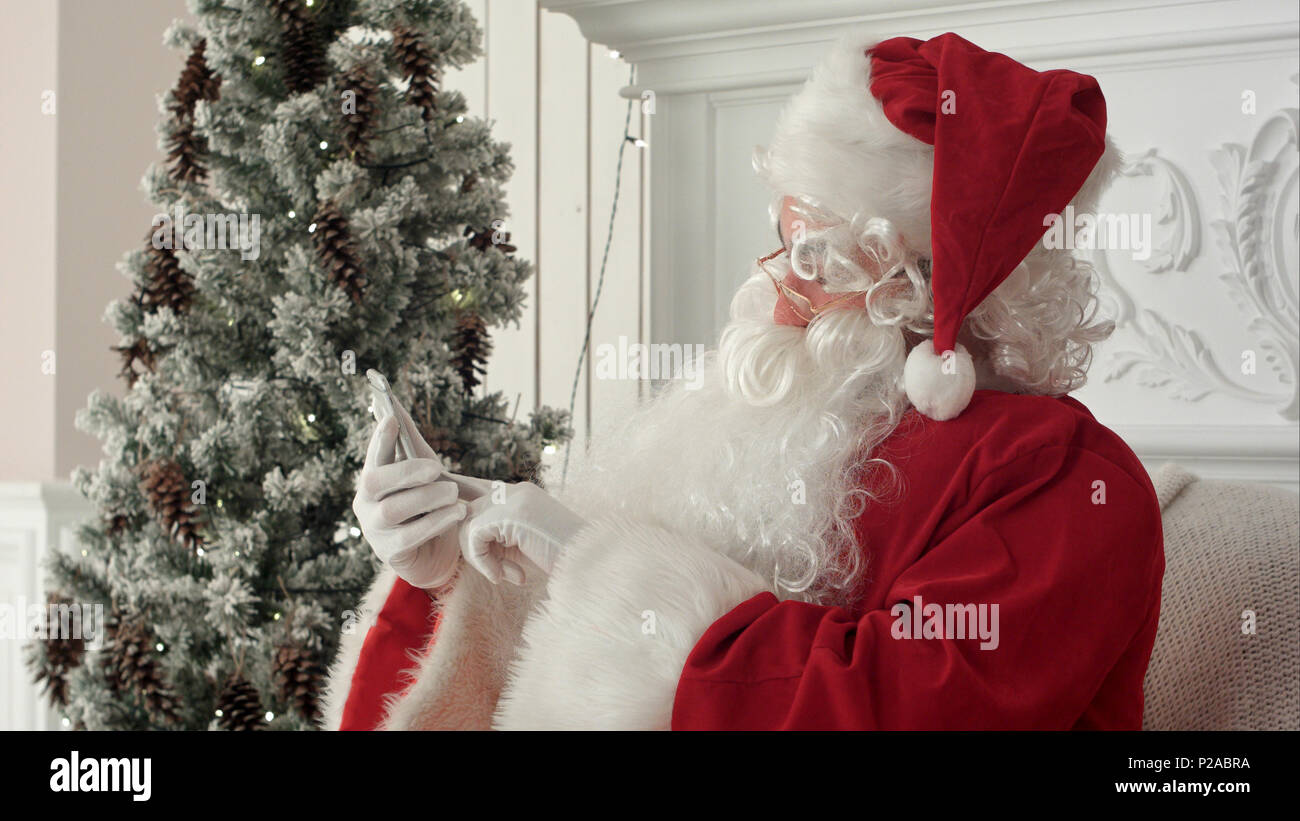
<point x="939" y="386"/>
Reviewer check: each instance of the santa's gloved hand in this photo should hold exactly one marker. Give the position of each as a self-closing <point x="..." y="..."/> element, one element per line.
<point x="407" y="515"/>
<point x="513" y="523"/>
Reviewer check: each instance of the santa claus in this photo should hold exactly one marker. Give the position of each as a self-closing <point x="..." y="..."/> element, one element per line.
<point x="880" y="510"/>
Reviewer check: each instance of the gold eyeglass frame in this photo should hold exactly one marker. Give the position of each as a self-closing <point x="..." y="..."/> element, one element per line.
<point x="790" y="295"/>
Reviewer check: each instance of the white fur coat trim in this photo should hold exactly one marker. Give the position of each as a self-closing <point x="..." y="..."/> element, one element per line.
<point x="624" y="606"/>
<point x="626" y="603"/>
<point x="345" y="662"/>
<point x="455" y="685"/>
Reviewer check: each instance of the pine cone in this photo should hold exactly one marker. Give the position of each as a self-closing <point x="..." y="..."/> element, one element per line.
<point x="130" y="665"/>
<point x="197" y="82"/>
<point x="485" y="238"/>
<point x="521" y="461"/>
<point x="300" y="678"/>
<point x="337" y="251"/>
<point x="137" y="351"/>
<point x="116" y="524"/>
<point x="416" y="61"/>
<point x="185" y="150"/>
<point x="168" y="492"/>
<point x="440" y="439"/>
<point x="359" y="123"/>
<point x="62" y="655"/>
<point x="468" y="183"/>
<point x="169" y="285"/>
<point x="239" y="707"/>
<point x="523" y="469"/>
<point x="471" y="347"/>
<point x="301" y="50"/>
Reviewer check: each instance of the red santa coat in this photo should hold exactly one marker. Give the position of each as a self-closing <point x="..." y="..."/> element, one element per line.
<point x="1023" y="503"/>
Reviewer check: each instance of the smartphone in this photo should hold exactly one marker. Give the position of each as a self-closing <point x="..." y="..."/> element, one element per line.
<point x="385" y="405"/>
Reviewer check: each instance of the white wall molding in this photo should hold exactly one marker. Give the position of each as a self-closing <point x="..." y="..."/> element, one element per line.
<point x="683" y="47"/>
<point x="1264" y="454"/>
<point x="1257" y="242"/>
<point x="652" y="28"/>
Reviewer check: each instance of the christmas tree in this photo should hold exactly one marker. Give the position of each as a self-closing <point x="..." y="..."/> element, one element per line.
<point x="326" y="207"/>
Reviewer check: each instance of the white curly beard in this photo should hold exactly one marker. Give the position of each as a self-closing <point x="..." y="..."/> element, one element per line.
<point x="760" y="457"/>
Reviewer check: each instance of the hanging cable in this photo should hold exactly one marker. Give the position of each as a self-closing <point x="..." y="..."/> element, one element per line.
<point x="604" y="261"/>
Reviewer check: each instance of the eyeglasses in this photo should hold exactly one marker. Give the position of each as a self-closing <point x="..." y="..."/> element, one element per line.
<point x="800" y="304"/>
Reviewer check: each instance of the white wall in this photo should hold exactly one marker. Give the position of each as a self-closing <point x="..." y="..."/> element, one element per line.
<point x="71" y="207"/>
<point x="28" y="71"/>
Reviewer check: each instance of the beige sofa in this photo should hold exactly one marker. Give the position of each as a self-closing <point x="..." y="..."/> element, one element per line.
<point x="1232" y="553"/>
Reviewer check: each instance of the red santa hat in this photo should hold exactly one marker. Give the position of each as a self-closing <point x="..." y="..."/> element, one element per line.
<point x="966" y="151"/>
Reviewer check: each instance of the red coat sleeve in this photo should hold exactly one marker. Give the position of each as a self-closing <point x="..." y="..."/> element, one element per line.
<point x="1075" y="583"/>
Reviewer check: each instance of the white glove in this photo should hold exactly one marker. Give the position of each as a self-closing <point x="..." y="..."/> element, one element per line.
<point x="407" y="515"/>
<point x="511" y="523"/>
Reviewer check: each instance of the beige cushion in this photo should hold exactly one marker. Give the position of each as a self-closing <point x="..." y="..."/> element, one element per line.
<point x="1229" y="547"/>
